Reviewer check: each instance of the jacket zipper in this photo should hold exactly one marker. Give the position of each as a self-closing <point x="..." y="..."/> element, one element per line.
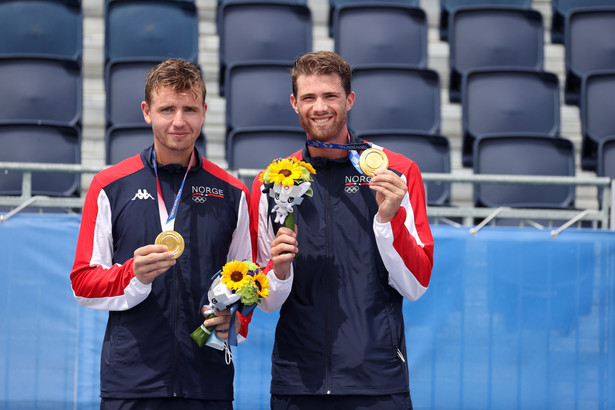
<point x="401" y="356"/>
<point x="329" y="279"/>
<point x="175" y="298"/>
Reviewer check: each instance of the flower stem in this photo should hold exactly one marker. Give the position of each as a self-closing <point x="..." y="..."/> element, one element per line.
<point x="289" y="222"/>
<point x="202" y="333"/>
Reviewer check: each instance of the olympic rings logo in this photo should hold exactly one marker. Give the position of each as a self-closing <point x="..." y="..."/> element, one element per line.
<point x="352" y="189"/>
<point x="199" y="199"/>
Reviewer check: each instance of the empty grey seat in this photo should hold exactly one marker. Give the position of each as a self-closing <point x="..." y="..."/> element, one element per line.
<point x="606" y="160"/>
<point x="493" y="37"/>
<point x="380" y="33"/>
<point x="258" y="94"/>
<point x="589" y="46"/>
<point x="48" y="28"/>
<point x="267" y="30"/>
<point x="40" y="89"/>
<point x="514" y="101"/>
<point x="596" y="112"/>
<point x="524" y="155"/>
<point x="395" y="97"/>
<point x="220" y="2"/>
<point x="41" y="142"/>
<point x="335" y="4"/>
<point x="606" y="157"/>
<point x="448" y="6"/>
<point x="560" y="10"/>
<point x="151" y="28"/>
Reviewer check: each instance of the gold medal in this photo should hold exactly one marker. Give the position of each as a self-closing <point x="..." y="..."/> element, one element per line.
<point x="173" y="241"/>
<point x="372" y="160"/>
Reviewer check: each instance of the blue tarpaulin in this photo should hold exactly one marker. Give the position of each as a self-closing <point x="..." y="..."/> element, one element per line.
<point x="513" y="319"/>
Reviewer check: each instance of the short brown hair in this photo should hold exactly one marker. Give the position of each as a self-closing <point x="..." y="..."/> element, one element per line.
<point x="322" y="63"/>
<point x="180" y="75"/>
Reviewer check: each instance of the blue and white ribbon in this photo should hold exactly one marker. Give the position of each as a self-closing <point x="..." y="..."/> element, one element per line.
<point x="352" y="149"/>
<point x="167" y="220"/>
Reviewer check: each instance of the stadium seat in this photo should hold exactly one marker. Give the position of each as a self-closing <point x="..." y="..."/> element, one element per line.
<point x="40" y="89"/>
<point x="124" y="85"/>
<point x="255" y="148"/>
<point x="524" y="155"/>
<point x="40" y="142"/>
<point x="606" y="157"/>
<point x="395" y="97"/>
<point x="334" y="4"/>
<point x="589" y="46"/>
<point x="430" y="152"/>
<point x="606" y="161"/>
<point x="493" y="37"/>
<point x="122" y="142"/>
<point x="41" y="28"/>
<point x="152" y="29"/>
<point x="448" y="6"/>
<point x="380" y="33"/>
<point x="258" y="94"/>
<point x="260" y="1"/>
<point x="514" y="101"/>
<point x="220" y="2"/>
<point x="597" y="113"/>
<point x="559" y="12"/>
<point x="271" y="30"/>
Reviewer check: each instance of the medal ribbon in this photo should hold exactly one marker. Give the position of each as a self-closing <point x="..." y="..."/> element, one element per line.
<point x="167" y="220"/>
<point x="352" y="148"/>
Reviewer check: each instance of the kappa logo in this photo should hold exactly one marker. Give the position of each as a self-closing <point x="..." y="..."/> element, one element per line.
<point x="142" y="194"/>
<point x="353" y="183"/>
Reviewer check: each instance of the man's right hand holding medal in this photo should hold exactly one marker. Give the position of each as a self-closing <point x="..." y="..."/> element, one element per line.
<point x="151" y="261"/>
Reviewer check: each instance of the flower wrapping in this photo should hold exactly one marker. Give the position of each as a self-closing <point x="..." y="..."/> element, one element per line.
<point x="240" y="286"/>
<point x="287" y="181"/>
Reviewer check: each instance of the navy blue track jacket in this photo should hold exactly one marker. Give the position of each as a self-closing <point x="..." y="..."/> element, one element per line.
<point x="341" y="329"/>
<point x="147" y="349"/>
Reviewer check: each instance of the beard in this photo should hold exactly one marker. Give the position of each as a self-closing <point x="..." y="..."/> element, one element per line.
<point x="323" y="132"/>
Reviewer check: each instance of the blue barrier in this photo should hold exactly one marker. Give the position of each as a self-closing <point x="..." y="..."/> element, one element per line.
<point x="513" y="319"/>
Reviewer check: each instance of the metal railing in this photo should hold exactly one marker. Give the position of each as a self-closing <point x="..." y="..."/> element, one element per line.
<point x="604" y="214"/>
<point x="27" y="199"/>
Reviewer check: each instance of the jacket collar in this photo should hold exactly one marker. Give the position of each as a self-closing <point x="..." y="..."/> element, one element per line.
<point x="146" y="157"/>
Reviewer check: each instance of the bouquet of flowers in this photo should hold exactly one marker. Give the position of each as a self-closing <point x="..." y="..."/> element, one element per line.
<point x="287" y="180"/>
<point x="240" y="285"/>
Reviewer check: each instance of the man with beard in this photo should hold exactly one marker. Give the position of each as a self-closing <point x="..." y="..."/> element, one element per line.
<point x="361" y="244"/>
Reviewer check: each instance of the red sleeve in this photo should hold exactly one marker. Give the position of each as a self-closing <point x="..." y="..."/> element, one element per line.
<point x="254" y="205"/>
<point x="245" y="321"/>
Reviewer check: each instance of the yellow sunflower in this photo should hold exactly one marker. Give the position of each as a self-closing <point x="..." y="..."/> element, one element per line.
<point x="307" y="165"/>
<point x="235" y="275"/>
<point x="262" y="284"/>
<point x="284" y="172"/>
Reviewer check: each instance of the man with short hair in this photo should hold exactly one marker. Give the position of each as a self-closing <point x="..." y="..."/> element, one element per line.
<point x="153" y="291"/>
<point x="362" y="243"/>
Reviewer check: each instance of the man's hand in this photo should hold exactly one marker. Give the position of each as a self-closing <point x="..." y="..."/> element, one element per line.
<point x="283" y="250"/>
<point x="222" y="321"/>
<point x="151" y="261"/>
<point x="390" y="190"/>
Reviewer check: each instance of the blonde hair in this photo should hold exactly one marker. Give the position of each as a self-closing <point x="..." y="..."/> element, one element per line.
<point x="180" y="75"/>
